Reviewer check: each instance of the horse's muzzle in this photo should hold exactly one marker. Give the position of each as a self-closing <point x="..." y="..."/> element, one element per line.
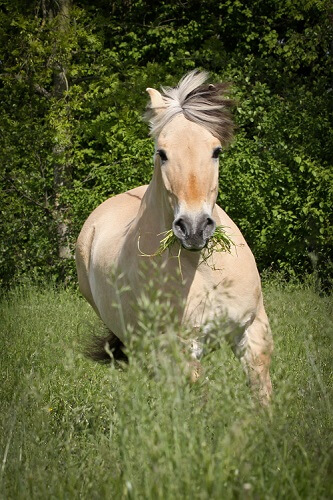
<point x="193" y="233"/>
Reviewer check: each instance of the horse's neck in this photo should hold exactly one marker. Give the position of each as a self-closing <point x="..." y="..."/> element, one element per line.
<point x="154" y="217"/>
<point x="155" y="214"/>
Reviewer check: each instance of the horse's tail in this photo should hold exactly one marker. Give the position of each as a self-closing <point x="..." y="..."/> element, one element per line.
<point x="106" y="348"/>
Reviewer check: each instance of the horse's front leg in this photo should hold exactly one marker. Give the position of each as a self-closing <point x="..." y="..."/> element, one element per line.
<point x="194" y="349"/>
<point x="255" y="351"/>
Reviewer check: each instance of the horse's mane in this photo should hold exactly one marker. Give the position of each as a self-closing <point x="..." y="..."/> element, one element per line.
<point x="205" y="104"/>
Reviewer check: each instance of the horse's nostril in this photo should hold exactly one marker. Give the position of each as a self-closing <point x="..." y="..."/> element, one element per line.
<point x="180" y="226"/>
<point x="208" y="227"/>
<point x="209" y="222"/>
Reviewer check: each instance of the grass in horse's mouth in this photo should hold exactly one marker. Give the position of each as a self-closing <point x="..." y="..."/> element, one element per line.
<point x="219" y="242"/>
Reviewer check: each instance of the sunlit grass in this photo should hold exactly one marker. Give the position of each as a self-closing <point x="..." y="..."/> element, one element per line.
<point x="70" y="428"/>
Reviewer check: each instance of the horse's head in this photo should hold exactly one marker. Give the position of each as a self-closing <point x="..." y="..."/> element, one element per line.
<point x="187" y="155"/>
<point x="191" y="123"/>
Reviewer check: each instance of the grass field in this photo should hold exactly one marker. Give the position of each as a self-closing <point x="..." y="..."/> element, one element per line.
<point x="70" y="428"/>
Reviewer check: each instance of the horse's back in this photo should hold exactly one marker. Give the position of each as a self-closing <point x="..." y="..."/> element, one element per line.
<point x="106" y="225"/>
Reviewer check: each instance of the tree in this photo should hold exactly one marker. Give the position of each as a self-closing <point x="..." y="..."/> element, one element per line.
<point x="72" y="92"/>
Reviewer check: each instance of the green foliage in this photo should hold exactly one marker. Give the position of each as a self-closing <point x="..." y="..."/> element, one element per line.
<point x="276" y="180"/>
<point x="73" y="429"/>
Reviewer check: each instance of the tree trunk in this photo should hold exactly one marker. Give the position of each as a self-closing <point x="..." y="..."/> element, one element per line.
<point x="62" y="139"/>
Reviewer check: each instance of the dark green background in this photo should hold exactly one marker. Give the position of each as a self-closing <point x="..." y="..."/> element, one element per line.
<point x="276" y="178"/>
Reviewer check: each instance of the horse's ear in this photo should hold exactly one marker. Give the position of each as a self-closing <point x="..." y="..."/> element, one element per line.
<point x="157" y="103"/>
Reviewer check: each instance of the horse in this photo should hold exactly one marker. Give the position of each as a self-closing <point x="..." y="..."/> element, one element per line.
<point x="190" y="124"/>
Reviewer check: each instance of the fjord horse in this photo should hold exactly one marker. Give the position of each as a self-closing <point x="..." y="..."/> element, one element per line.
<point x="190" y="124"/>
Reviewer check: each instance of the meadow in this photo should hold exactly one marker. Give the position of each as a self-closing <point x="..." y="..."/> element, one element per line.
<point x="71" y="428"/>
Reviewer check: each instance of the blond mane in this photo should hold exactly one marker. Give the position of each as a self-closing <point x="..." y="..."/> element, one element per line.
<point x="204" y="104"/>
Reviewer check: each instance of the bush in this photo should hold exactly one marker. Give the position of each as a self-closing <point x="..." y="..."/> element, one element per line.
<point x="66" y="149"/>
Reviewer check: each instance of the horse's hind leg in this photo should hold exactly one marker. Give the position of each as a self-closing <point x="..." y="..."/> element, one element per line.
<point x="254" y="351"/>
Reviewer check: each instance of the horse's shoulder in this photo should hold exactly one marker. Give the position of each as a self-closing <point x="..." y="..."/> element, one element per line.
<point x="246" y="268"/>
<point x="231" y="227"/>
<point x="113" y="213"/>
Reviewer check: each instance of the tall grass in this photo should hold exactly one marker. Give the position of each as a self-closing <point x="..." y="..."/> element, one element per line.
<point x="70" y="428"/>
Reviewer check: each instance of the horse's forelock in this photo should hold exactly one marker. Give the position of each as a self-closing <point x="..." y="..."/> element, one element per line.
<point x="204" y="104"/>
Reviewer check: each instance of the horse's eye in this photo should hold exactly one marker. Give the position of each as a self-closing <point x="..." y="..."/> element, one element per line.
<point x="162" y="155"/>
<point x="216" y="153"/>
